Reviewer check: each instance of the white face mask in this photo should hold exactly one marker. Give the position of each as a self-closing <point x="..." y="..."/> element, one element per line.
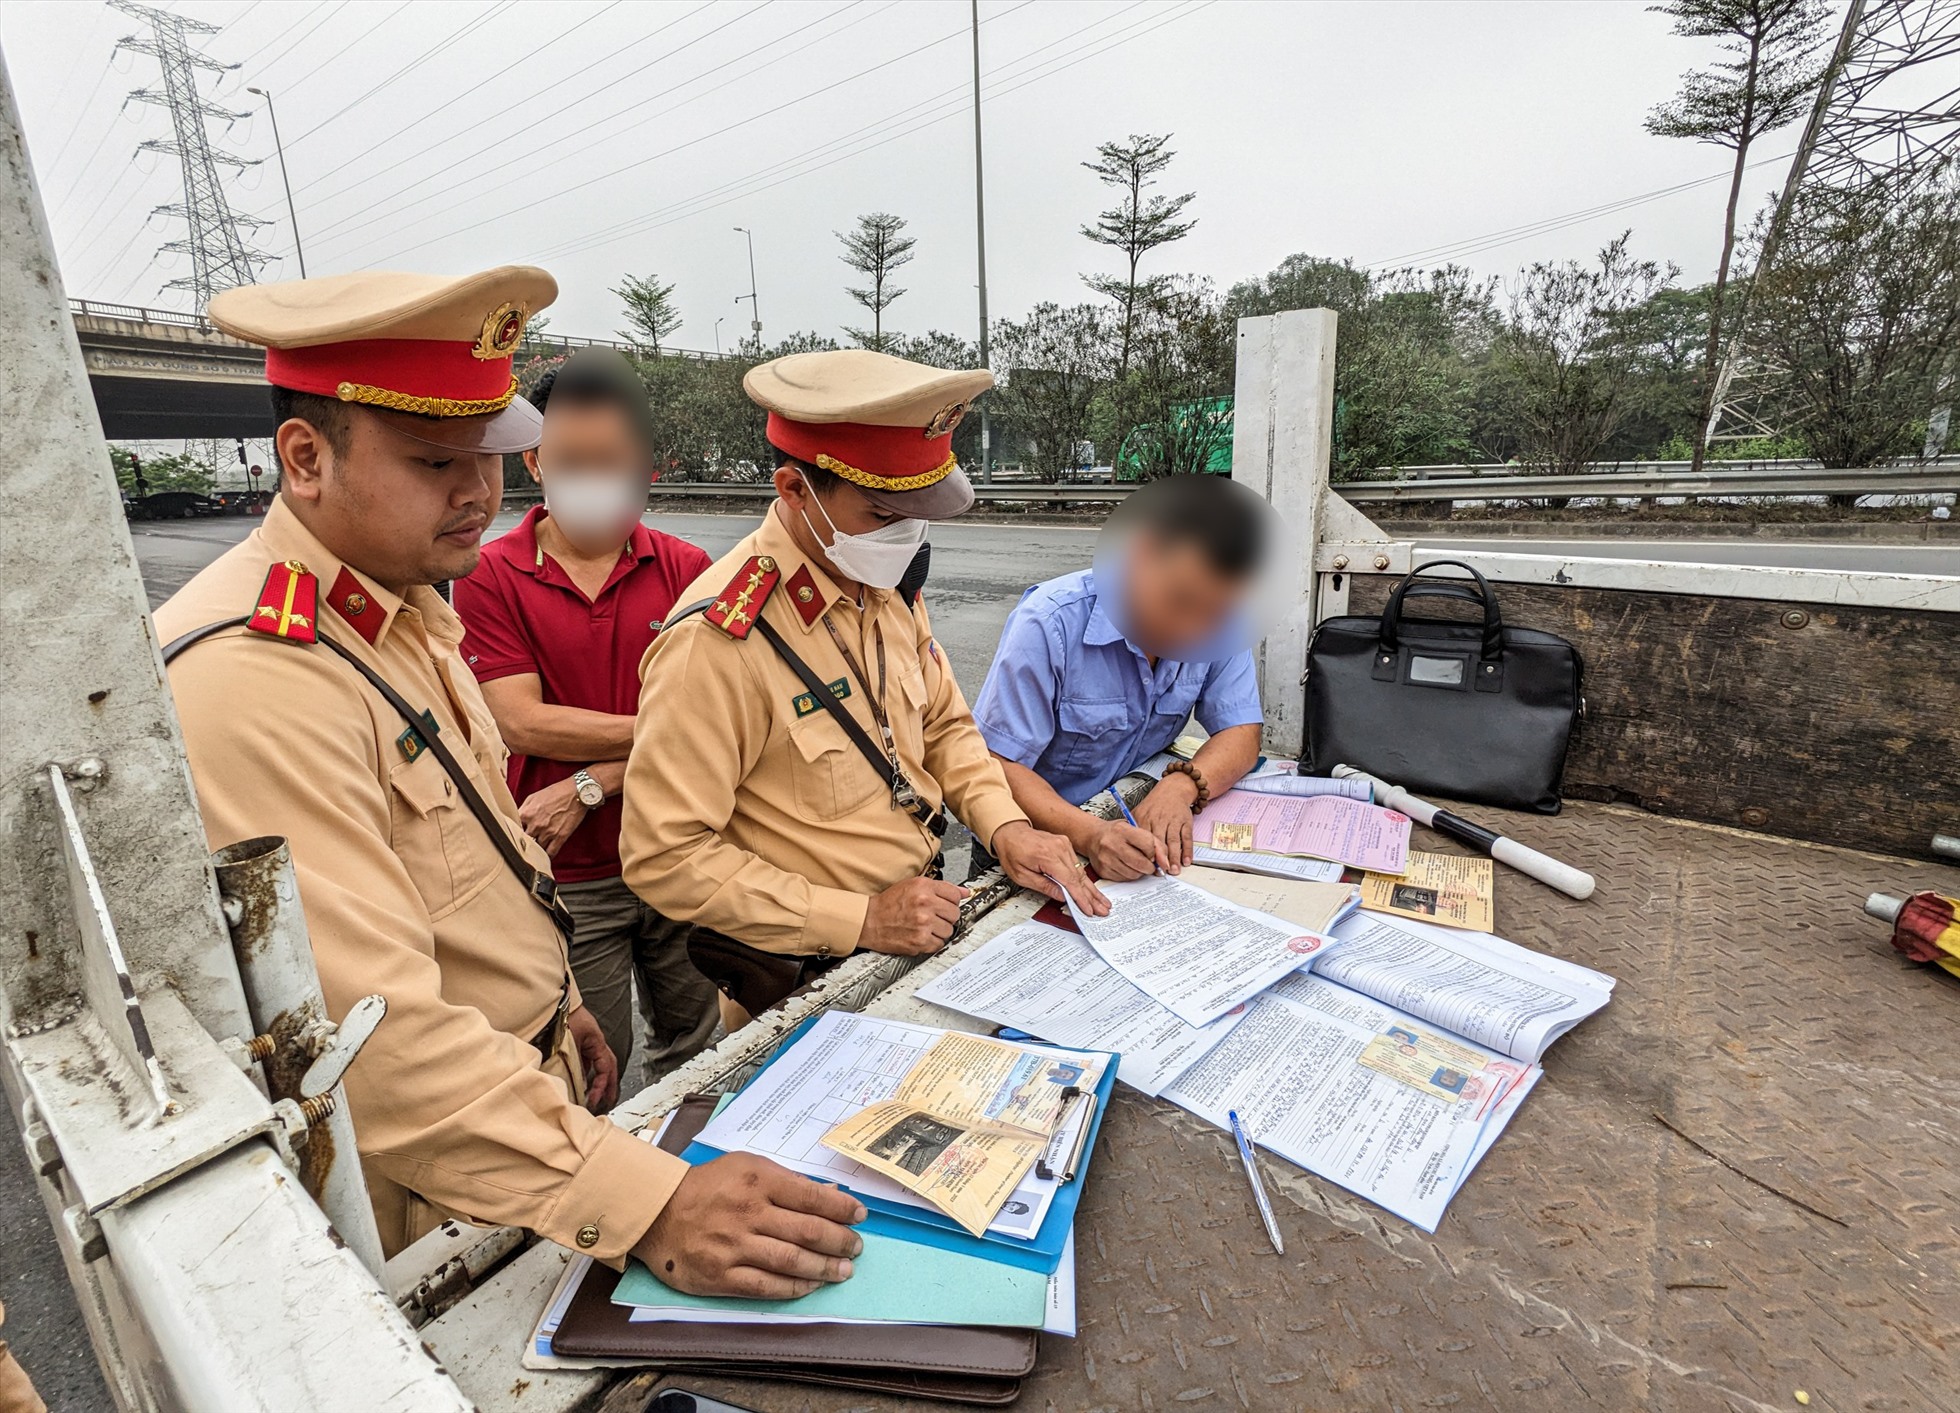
<point x="595" y="509"/>
<point x="878" y="560"/>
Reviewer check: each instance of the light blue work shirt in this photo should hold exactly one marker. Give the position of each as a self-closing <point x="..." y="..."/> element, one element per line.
<point x="1073" y="700"/>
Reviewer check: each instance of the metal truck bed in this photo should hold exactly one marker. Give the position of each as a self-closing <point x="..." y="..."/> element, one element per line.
<point x="1737" y="1182"/>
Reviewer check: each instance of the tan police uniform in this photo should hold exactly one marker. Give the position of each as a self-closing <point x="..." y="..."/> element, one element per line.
<point x="17" y="1393"/>
<point x="747" y="809"/>
<point x="456" y="1107"/>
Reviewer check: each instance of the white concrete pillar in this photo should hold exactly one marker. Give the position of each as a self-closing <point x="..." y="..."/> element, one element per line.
<point x="1282" y="442"/>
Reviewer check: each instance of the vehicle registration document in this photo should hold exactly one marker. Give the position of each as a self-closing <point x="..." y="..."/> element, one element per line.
<point x="967" y="1122"/>
<point x="842" y="1065"/>
<point x="1352" y="832"/>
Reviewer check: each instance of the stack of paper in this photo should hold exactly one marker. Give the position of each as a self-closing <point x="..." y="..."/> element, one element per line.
<point x="1334" y="827"/>
<point x="946" y="1137"/>
<point x="1388" y="1058"/>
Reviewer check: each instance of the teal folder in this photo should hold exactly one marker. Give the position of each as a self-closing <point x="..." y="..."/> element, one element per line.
<point x="900" y="1281"/>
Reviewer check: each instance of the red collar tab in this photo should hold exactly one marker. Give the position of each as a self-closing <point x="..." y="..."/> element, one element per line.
<point x="737" y="607"/>
<point x="287" y="604"/>
<point x="891" y="459"/>
<point x="807" y="598"/>
<point x="350" y="598"/>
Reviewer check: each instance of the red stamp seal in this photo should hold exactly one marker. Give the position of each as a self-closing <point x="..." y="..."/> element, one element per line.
<point x="1303" y="946"/>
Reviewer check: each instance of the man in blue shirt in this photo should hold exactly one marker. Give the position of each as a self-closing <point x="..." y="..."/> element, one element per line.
<point x="1099" y="670"/>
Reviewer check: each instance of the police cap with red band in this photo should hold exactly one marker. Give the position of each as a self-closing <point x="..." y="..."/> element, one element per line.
<point x="884" y="424"/>
<point x="429" y="354"/>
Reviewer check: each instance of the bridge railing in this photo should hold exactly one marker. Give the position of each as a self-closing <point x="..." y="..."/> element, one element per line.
<point x="138" y="314"/>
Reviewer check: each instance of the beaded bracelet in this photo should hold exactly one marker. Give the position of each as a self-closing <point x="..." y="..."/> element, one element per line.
<point x="1184" y="767"/>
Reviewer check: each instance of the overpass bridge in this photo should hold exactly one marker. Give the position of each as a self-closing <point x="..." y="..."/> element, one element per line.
<point x="163" y="374"/>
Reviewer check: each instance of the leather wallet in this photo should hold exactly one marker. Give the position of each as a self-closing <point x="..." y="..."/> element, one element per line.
<point x="949" y="1363"/>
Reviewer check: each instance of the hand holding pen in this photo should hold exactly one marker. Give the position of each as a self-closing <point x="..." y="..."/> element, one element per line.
<point x="1122" y="852"/>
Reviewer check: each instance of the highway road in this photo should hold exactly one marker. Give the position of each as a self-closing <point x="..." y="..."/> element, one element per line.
<point x="980" y="569"/>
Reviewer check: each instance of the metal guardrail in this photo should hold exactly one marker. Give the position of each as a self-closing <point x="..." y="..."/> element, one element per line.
<point x="137" y="314"/>
<point x="1647" y="480"/>
<point x="1663" y="479"/>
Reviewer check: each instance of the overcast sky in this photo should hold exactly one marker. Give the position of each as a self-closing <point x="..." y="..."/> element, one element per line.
<point x="600" y="139"/>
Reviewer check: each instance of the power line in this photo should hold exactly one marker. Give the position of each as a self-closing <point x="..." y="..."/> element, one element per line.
<point x="1492" y="240"/>
<point x="299" y="40"/>
<point x="544" y="91"/>
<point x="695" y="206"/>
<point x="475" y="87"/>
<point x="473" y="23"/>
<point x="299" y="20"/>
<point x="362" y="219"/>
<point x="361" y="35"/>
<point x="800" y="98"/>
<point x="592" y="239"/>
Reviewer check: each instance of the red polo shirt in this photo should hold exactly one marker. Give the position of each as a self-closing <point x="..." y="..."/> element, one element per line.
<point x="522" y="613"/>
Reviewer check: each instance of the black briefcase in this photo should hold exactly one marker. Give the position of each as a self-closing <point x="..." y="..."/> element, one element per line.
<point x="1475" y="711"/>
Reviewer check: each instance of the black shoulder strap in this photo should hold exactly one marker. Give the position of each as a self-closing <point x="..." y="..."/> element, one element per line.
<point x="934" y="820"/>
<point x="542" y="888"/>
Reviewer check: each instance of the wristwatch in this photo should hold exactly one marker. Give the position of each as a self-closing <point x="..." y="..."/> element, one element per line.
<point x="591" y="793"/>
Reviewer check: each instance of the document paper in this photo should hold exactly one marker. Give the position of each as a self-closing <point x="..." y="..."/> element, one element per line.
<point x="1295" y="1067"/>
<point x="1193" y="953"/>
<point x="843" y="1064"/>
<point x="1051" y="983"/>
<point x="1456" y="890"/>
<point x="967" y="1122"/>
<point x="1352" y="832"/>
<point x="1485" y="989"/>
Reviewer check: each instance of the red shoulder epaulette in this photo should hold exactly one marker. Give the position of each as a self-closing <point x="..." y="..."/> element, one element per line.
<point x="287" y="604"/>
<point x="736" y="607"/>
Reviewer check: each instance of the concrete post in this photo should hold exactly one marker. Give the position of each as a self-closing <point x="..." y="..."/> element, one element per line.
<point x="1282" y="442"/>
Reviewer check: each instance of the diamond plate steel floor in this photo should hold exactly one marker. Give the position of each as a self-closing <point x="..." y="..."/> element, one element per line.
<point x="1739" y="1181"/>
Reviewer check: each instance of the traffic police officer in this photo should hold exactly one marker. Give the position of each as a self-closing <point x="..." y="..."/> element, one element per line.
<point x="800" y="733"/>
<point x="322" y="698"/>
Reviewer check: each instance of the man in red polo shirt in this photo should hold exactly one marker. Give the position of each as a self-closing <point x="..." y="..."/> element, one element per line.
<point x="557" y="616"/>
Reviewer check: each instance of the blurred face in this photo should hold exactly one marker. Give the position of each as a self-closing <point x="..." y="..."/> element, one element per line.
<point x="1174" y="599"/>
<point x="395" y="510"/>
<point x="594" y="468"/>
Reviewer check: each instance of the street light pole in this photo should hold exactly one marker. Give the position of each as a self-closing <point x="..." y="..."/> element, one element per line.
<point x="980" y="225"/>
<point x="755" y="308"/>
<point x="284" y="180"/>
<point x="718" y="323"/>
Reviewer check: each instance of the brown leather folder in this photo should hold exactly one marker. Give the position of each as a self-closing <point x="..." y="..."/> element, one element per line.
<point x="951" y="1363"/>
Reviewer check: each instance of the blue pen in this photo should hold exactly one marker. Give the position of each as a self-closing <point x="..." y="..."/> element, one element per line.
<point x="1251" y="1162"/>
<point x="1127" y="815"/>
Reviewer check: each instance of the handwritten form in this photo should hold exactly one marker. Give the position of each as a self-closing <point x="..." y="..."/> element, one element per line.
<point x="1347" y="831"/>
<point x="1197" y="955"/>
<point x="1051" y="983"/>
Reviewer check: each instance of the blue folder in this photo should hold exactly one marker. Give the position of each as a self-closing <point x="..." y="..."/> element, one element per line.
<point x="932" y="1227"/>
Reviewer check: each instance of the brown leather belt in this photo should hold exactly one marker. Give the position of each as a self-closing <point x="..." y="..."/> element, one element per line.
<point x="546" y="1040"/>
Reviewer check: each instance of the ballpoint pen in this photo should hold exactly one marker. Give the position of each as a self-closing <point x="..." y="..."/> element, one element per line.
<point x="1251" y="1162"/>
<point x="1127" y="815"/>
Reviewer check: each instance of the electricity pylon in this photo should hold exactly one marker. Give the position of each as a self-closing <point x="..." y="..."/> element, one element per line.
<point x="214" y="241"/>
<point x="1869" y="126"/>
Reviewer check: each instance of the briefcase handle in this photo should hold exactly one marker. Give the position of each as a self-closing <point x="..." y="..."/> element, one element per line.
<point x="1493" y="646"/>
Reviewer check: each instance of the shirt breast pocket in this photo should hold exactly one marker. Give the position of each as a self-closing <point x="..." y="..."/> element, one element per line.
<point x="1180" y="699"/>
<point x="438" y="840"/>
<point x="832" y="776"/>
<point x="1090" y="732"/>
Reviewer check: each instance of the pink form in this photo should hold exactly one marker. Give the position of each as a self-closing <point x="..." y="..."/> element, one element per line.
<point x="1351" y="832"/>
